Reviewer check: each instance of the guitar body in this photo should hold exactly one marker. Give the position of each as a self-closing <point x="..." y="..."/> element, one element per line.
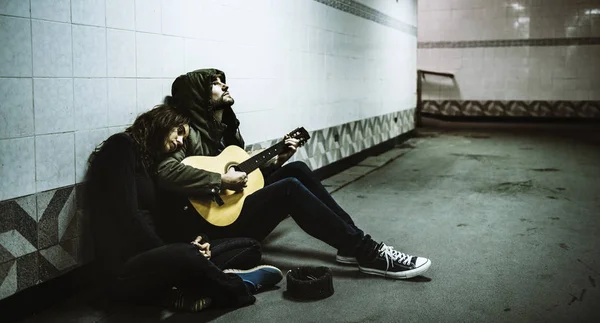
<point x="227" y="213"/>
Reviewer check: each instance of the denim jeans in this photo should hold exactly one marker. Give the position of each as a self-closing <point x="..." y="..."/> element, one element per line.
<point x="293" y="190"/>
<point x="147" y="277"/>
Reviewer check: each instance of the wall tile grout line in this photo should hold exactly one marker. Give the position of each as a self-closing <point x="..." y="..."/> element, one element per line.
<point x="106" y="71"/>
<point x="33" y="105"/>
<point x="73" y="83"/>
<point x="135" y="33"/>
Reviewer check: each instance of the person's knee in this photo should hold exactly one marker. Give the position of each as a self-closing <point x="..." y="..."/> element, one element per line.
<point x="252" y="245"/>
<point x="183" y="250"/>
<point x="182" y="247"/>
<point x="299" y="166"/>
<point x="255" y="251"/>
<point x="246" y="257"/>
<point x="292" y="183"/>
<point x="255" y="245"/>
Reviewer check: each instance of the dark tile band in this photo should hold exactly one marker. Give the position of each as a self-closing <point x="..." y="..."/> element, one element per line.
<point x="360" y="10"/>
<point x="512" y="43"/>
<point x="497" y="108"/>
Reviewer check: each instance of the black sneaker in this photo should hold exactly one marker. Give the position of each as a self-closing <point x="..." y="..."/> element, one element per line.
<point x="393" y="263"/>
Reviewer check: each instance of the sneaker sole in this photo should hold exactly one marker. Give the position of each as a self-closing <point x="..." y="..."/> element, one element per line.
<point x="251" y="270"/>
<point x="272" y="275"/>
<point x="346" y="260"/>
<point x="397" y="275"/>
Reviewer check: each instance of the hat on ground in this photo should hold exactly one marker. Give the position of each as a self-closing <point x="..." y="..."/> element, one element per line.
<point x="310" y="283"/>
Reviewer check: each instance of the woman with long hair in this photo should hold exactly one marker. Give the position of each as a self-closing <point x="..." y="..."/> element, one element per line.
<point x="121" y="199"/>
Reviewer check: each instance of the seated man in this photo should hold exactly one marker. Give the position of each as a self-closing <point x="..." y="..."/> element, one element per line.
<point x="204" y="97"/>
<point x="140" y="267"/>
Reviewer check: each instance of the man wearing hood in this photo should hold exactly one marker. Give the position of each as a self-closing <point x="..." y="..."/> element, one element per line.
<point x="293" y="190"/>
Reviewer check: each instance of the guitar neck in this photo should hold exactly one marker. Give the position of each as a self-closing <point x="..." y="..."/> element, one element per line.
<point x="261" y="158"/>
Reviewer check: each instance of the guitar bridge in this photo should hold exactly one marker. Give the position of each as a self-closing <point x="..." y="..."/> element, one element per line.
<point x="217" y="198"/>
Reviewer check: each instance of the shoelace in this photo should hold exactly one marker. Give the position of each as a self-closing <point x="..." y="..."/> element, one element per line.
<point x="392" y="256"/>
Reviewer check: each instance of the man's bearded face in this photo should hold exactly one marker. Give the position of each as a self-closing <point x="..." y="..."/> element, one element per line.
<point x="220" y="97"/>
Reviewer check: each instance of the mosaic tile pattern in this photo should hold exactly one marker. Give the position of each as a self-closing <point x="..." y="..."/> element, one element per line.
<point x="39" y="239"/>
<point x="18" y="274"/>
<point x="18" y="228"/>
<point x="332" y="144"/>
<point x="360" y="10"/>
<point x="512" y="43"/>
<point x="549" y="109"/>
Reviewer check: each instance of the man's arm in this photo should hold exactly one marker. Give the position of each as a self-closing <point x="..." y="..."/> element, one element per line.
<point x="172" y="175"/>
<point x="278" y="161"/>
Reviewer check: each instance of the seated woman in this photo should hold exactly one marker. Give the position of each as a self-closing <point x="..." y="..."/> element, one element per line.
<point x="142" y="268"/>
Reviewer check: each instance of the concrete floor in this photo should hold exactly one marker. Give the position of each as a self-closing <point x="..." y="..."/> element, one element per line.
<point x="509" y="217"/>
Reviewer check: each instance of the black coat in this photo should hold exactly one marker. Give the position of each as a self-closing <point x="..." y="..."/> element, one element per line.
<point x="121" y="200"/>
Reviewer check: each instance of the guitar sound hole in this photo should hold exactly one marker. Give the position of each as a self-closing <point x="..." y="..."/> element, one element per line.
<point x="232" y="165"/>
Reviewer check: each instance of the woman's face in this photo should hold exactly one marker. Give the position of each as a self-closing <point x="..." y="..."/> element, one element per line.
<point x="174" y="139"/>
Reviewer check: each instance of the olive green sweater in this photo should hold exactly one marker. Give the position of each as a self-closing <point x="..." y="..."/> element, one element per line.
<point x="191" y="93"/>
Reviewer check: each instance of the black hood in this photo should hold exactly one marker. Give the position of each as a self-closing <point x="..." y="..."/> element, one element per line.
<point x="191" y="94"/>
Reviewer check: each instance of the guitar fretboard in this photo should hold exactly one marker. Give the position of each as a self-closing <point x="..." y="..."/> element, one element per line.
<point x="261" y="158"/>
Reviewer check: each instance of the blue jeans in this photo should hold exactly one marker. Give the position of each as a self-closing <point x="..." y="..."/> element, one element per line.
<point x="293" y="190"/>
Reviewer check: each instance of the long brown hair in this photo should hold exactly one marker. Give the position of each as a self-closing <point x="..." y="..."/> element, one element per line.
<point x="150" y="129"/>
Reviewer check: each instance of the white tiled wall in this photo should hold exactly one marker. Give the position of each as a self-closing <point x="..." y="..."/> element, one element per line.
<point x="16" y="94"/>
<point x="511" y="73"/>
<point x="74" y="71"/>
<point x="17" y="8"/>
<point x="452" y="20"/>
<point x="19" y="153"/>
<point x="53" y="105"/>
<point x="54" y="160"/>
<point x="15" y="37"/>
<point x="54" y="10"/>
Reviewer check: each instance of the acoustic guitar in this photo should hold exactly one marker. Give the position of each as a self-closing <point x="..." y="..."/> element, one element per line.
<point x="226" y="208"/>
